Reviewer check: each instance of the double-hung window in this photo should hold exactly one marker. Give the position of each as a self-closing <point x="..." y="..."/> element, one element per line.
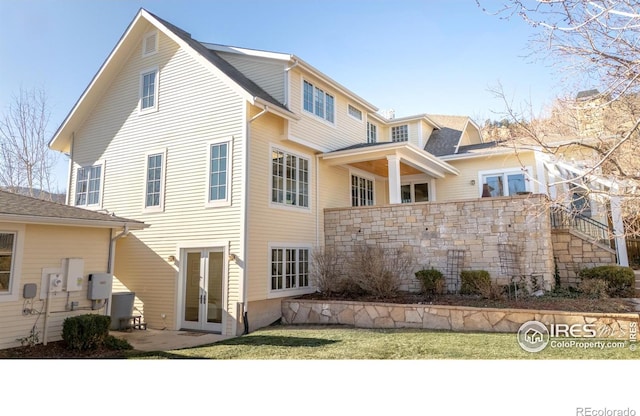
<point x="289" y="179"/>
<point x="318" y="102"/>
<point x="7" y="259"/>
<point x="361" y="191"/>
<point x="149" y="90"/>
<point x="289" y="268"/>
<point x="400" y="133"/>
<point x="88" y="184"/>
<point x="372" y="133"/>
<point x="219" y="173"/>
<point x="154" y="182"/>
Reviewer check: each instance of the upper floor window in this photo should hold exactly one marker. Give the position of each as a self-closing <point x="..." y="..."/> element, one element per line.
<point x="149" y="90"/>
<point x="318" y="102"/>
<point x="219" y="172"/>
<point x="289" y="268"/>
<point x="372" y="133"/>
<point x="400" y="133"/>
<point x="154" y="184"/>
<point x="361" y="191"/>
<point x="289" y="179"/>
<point x="88" y="180"/>
<point x="150" y="43"/>
<point x="355" y="113"/>
<point x="11" y="251"/>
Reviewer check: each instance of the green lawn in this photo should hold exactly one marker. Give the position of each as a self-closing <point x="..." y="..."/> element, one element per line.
<point x="342" y="343"/>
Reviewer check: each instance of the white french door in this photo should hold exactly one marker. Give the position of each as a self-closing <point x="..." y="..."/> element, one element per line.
<point x="203" y="279"/>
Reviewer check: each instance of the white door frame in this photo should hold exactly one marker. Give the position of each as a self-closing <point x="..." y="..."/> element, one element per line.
<point x="203" y="246"/>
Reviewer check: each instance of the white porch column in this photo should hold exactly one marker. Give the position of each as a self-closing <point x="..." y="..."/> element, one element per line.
<point x="618" y="231"/>
<point x="394" y="179"/>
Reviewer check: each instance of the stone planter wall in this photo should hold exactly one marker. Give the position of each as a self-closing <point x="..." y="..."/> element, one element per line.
<point x="455" y="318"/>
<point x="429" y="230"/>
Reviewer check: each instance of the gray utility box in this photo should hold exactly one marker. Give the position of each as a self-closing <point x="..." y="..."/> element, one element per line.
<point x="121" y="308"/>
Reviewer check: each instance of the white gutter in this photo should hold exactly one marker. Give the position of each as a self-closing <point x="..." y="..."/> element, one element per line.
<point x="74" y="222"/>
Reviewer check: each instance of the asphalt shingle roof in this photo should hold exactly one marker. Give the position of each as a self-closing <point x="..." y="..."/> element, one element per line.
<point x="444" y="141"/>
<point x="14" y="204"/>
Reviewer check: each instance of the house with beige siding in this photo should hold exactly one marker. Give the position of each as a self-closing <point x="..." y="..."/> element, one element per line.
<point x="50" y="256"/>
<point x="232" y="155"/>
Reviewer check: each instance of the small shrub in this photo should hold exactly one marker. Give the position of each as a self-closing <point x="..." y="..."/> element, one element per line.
<point x="594" y="288"/>
<point x="432" y="281"/>
<point x="325" y="271"/>
<point x="621" y="280"/>
<point x="117" y="344"/>
<point x="475" y="282"/>
<point x="378" y="271"/>
<point x="85" y="332"/>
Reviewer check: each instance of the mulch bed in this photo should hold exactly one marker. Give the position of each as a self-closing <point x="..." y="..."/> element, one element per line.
<point x="58" y="350"/>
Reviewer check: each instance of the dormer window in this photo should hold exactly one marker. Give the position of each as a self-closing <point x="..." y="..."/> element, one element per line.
<point x="150" y="43"/>
<point x="400" y="133"/>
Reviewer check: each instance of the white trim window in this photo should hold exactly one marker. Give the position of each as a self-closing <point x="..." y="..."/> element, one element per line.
<point x="372" y="133"/>
<point x="149" y="90"/>
<point x="289" y="268"/>
<point x="354" y="112"/>
<point x="504" y="182"/>
<point x="89" y="185"/>
<point x="400" y="133"/>
<point x="289" y="179"/>
<point x="150" y="43"/>
<point x="361" y="191"/>
<point x="219" y="183"/>
<point x="318" y="102"/>
<point x="154" y="181"/>
<point x="11" y="249"/>
<point x="414" y="192"/>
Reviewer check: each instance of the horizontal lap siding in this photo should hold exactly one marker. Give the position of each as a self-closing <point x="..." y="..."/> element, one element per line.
<point x="347" y="131"/>
<point x="453" y="188"/>
<point x="46" y="247"/>
<point x="194" y="108"/>
<point x="267" y="223"/>
<point x="266" y="73"/>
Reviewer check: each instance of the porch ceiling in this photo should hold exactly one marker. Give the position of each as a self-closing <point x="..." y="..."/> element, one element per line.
<point x="373" y="158"/>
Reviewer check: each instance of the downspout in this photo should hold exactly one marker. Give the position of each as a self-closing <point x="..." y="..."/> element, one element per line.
<point x="112" y="258"/>
<point x="244" y="303"/>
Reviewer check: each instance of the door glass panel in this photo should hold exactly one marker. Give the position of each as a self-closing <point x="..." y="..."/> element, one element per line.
<point x="492" y="186"/>
<point x="192" y="289"/>
<point x="214" y="287"/>
<point x="405" y="194"/>
<point x="421" y="192"/>
<point x="516" y="183"/>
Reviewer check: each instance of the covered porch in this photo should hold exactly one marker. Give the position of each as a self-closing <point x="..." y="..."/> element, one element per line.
<point x="409" y="171"/>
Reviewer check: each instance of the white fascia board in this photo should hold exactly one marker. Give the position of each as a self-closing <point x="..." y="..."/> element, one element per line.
<point x="336" y="85"/>
<point x="274" y="109"/>
<point x="474" y="155"/>
<point x="415" y="117"/>
<point x="74" y="222"/>
<point x="249" y="52"/>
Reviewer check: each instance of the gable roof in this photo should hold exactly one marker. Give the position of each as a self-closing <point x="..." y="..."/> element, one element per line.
<point x="237" y="81"/>
<point x="445" y="141"/>
<point x="22" y="208"/>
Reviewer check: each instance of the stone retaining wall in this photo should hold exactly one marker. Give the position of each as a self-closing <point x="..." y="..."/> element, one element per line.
<point x="455" y="318"/>
<point x="479" y="227"/>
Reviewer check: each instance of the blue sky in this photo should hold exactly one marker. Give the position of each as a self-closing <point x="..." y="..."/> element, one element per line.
<point x="429" y="56"/>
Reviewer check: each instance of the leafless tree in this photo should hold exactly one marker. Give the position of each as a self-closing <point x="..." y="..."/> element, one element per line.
<point x="595" y="44"/>
<point x="26" y="162"/>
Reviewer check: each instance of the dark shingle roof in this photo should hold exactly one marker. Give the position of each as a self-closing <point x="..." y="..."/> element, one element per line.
<point x="28" y="207"/>
<point x="360" y="146"/>
<point x="231" y="71"/>
<point x="478" y="146"/>
<point x="443" y="141"/>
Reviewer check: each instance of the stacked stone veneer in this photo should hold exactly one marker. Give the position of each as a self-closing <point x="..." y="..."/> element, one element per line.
<point x="574" y="252"/>
<point x="428" y="230"/>
<point x="455" y="318"/>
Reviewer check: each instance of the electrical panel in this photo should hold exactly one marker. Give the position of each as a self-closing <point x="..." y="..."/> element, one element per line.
<point x="74" y="269"/>
<point x="100" y="286"/>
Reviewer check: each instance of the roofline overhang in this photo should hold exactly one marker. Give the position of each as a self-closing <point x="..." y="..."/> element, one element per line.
<point x="74" y="222"/>
<point x="273" y="109"/>
<point x="408" y="152"/>
<point x="424" y="117"/>
<point x="462" y="156"/>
